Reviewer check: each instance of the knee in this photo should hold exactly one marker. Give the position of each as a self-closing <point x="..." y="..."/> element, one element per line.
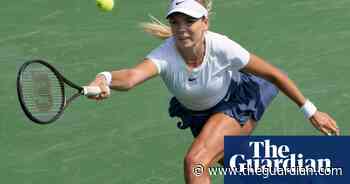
<point x="195" y="161"/>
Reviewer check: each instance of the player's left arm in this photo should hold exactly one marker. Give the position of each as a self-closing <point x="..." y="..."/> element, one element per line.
<point x="261" y="68"/>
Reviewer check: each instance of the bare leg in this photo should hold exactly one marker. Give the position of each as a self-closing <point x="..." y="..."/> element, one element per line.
<point x="208" y="147"/>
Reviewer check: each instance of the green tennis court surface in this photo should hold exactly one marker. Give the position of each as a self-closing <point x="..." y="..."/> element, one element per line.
<point x="129" y="138"/>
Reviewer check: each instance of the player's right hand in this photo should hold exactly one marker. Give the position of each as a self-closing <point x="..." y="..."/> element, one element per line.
<point x="100" y="82"/>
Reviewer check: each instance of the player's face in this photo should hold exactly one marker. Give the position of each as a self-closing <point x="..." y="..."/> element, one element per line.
<point x="188" y="31"/>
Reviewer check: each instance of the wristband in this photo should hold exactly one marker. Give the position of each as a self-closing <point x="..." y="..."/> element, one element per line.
<point x="107" y="76"/>
<point x="309" y="109"/>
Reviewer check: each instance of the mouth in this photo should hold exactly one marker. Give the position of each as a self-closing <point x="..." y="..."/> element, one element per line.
<point x="182" y="38"/>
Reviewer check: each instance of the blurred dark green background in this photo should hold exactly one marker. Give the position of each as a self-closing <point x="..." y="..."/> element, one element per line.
<point x="129" y="138"/>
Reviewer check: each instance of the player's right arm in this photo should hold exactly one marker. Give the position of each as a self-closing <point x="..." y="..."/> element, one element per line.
<point x="126" y="79"/>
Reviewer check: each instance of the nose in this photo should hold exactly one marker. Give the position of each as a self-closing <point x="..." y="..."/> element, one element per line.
<point x="182" y="28"/>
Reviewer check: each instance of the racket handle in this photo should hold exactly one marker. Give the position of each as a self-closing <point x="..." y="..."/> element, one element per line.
<point x="91" y="90"/>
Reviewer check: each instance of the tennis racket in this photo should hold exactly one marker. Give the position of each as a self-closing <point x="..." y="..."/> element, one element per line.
<point x="43" y="91"/>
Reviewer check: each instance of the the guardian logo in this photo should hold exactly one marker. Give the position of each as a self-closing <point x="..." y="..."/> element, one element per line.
<point x="285" y="159"/>
<point x="267" y="155"/>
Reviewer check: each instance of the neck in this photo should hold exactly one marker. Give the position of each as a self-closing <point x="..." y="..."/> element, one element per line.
<point x="195" y="55"/>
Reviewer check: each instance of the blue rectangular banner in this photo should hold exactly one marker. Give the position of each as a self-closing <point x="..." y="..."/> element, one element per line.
<point x="287" y="159"/>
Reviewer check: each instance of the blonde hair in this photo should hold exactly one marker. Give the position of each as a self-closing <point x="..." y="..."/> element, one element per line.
<point x="159" y="30"/>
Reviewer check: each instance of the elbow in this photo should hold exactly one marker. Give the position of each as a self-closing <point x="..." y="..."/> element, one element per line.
<point x="278" y="78"/>
<point x="273" y="78"/>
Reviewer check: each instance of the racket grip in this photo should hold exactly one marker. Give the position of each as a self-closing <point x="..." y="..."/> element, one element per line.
<point x="91" y="90"/>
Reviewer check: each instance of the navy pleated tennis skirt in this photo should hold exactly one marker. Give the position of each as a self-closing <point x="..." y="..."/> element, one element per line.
<point x="246" y="99"/>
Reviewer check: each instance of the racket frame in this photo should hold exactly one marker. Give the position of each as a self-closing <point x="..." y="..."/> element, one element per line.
<point x="61" y="79"/>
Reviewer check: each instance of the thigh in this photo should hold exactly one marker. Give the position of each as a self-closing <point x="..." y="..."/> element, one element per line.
<point x="208" y="147"/>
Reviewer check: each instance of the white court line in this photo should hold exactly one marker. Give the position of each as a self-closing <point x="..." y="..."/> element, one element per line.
<point x="51" y="15"/>
<point x="24" y="35"/>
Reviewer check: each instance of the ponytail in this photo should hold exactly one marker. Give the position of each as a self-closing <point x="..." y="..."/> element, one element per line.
<point x="159" y="30"/>
<point x="156" y="28"/>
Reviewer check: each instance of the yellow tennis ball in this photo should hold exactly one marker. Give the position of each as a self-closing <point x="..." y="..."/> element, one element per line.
<point x="105" y="5"/>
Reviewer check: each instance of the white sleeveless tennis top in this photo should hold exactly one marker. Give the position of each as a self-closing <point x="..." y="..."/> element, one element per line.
<point x="207" y="84"/>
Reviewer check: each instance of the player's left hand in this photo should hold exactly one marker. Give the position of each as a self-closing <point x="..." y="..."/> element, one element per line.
<point x="324" y="123"/>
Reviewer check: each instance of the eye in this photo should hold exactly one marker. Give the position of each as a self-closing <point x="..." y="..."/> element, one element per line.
<point x="191" y="21"/>
<point x="172" y="22"/>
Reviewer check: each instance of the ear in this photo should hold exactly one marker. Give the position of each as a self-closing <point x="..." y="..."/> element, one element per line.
<point x="205" y="21"/>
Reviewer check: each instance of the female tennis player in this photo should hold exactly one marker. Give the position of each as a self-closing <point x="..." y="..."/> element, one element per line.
<point x="219" y="87"/>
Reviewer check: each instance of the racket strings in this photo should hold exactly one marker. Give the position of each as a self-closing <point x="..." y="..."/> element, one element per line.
<point x="42" y="92"/>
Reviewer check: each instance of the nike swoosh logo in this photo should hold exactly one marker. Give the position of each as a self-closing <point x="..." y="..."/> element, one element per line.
<point x="177" y="3"/>
<point x="191" y="79"/>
